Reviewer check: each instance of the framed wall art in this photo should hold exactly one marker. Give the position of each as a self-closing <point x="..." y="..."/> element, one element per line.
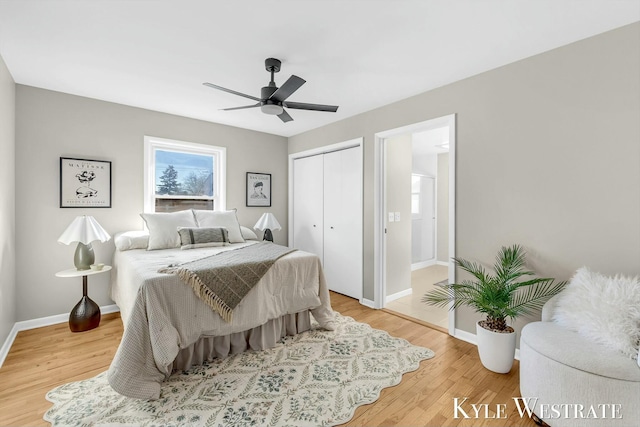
<point x="85" y="183"/>
<point x="258" y="189"/>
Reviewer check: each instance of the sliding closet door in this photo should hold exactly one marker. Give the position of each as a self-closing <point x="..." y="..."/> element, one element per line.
<point x="343" y="221"/>
<point x="307" y="204"/>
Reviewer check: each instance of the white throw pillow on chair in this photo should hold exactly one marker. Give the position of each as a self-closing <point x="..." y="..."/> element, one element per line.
<point x="603" y="309"/>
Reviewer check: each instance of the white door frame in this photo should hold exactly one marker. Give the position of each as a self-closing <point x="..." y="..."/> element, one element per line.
<point x="380" y="255"/>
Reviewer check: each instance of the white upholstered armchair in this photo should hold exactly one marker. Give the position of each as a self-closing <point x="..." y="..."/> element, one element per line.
<point x="562" y="368"/>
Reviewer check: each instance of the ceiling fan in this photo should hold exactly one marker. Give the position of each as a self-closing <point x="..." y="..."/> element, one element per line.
<point x="273" y="99"/>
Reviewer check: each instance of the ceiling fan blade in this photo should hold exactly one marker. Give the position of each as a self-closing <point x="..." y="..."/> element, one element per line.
<point x="313" y="107"/>
<point x="285" y="117"/>
<point x="241" y="108"/>
<point x="287" y="89"/>
<point x="231" y="91"/>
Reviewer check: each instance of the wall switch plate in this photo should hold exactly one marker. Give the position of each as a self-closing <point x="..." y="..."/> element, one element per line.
<point x="391" y="217"/>
<point x="397" y="216"/>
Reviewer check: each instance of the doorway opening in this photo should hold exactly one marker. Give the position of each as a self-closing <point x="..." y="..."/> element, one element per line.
<point x="414" y="199"/>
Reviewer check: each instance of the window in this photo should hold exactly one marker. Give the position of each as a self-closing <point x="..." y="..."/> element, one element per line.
<point x="183" y="175"/>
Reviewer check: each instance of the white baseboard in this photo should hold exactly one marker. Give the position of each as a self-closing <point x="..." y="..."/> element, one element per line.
<point x="398" y="295"/>
<point x="423" y="264"/>
<point x="4" y="351"/>
<point x="471" y="338"/>
<point x="368" y="303"/>
<point x="465" y="336"/>
<point x="446" y="264"/>
<point x="39" y="323"/>
<point x="58" y="318"/>
<point x="109" y="309"/>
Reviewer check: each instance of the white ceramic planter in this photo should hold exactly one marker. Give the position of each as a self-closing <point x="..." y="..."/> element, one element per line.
<point x="496" y="350"/>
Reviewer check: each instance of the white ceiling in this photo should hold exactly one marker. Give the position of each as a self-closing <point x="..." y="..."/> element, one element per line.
<point x="431" y="141"/>
<point x="358" y="54"/>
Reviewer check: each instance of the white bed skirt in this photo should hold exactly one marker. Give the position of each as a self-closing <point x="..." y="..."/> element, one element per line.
<point x="259" y="338"/>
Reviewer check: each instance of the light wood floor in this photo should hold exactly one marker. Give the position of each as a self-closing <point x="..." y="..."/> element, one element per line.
<point x="41" y="359"/>
<point x="423" y="281"/>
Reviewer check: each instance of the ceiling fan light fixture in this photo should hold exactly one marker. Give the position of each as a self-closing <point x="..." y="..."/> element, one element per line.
<point x="272" y="109"/>
<point x="272" y="99"/>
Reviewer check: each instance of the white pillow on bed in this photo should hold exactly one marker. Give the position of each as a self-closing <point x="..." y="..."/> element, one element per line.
<point x="227" y="219"/>
<point x="163" y="228"/>
<point x="248" y="233"/>
<point x="128" y="240"/>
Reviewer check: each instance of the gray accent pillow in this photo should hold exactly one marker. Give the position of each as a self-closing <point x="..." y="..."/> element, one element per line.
<point x="191" y="237"/>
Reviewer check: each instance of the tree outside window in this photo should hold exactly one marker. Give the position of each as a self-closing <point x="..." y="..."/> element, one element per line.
<point x="183" y="175"/>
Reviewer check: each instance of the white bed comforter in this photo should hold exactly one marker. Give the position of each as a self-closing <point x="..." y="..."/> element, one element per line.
<point x="162" y="315"/>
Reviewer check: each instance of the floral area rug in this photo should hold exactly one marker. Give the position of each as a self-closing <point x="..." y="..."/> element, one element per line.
<point x="315" y="378"/>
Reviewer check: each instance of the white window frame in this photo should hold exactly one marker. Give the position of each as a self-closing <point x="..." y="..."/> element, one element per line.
<point x="151" y="144"/>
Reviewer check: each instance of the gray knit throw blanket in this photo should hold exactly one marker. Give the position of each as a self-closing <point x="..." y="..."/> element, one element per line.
<point x="222" y="280"/>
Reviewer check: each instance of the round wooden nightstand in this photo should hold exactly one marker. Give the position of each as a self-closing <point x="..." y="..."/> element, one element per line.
<point x="86" y="314"/>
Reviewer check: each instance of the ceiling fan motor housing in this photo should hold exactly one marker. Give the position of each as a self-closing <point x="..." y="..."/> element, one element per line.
<point x="267" y="105"/>
<point x="267" y="91"/>
<point x="272" y="64"/>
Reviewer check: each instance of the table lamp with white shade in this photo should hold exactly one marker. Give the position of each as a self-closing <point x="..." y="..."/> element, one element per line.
<point x="84" y="230"/>
<point x="266" y="223"/>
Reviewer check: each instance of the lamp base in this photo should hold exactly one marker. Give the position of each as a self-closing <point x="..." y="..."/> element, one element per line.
<point x="268" y="236"/>
<point x="84" y="316"/>
<point x="84" y="256"/>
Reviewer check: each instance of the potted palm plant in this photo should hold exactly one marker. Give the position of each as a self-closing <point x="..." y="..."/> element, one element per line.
<point x="506" y="294"/>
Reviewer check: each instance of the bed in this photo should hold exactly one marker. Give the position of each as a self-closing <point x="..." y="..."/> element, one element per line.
<point x="167" y="327"/>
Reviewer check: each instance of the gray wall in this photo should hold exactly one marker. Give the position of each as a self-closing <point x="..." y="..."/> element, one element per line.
<point x="52" y="124"/>
<point x="442" y="208"/>
<point x="547" y="156"/>
<point x="7" y="202"/>
<point x="398" y="164"/>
